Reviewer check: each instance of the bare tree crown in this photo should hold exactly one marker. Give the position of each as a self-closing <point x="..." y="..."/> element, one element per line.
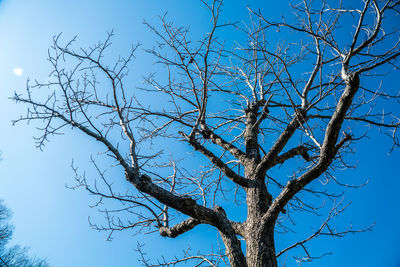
<point x="245" y="110"/>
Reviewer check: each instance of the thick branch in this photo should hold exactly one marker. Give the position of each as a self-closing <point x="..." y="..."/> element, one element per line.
<point x="327" y="153"/>
<point x="269" y="159"/>
<point x="297" y="151"/>
<point x="216" y="139"/>
<point x="217" y="162"/>
<point x="180" y="228"/>
<point x="233" y="248"/>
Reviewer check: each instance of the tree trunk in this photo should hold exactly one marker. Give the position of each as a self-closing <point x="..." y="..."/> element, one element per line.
<point x="260" y="247"/>
<point x="259" y="237"/>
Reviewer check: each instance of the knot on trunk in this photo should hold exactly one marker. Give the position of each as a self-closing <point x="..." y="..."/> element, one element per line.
<point x="145" y="178"/>
<point x="220" y="211"/>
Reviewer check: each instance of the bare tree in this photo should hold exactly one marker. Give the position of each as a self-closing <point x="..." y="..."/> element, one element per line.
<point x="14" y="256"/>
<point x="300" y="103"/>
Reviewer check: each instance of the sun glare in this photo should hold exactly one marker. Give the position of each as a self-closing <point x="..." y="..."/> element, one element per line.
<point x="18" y="71"/>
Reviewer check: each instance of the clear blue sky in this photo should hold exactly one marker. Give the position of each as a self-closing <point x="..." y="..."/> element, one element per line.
<point x="52" y="220"/>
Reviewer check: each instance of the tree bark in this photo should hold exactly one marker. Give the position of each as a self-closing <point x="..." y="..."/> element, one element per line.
<point x="260" y="246"/>
<point x="259" y="237"/>
<point x="233" y="249"/>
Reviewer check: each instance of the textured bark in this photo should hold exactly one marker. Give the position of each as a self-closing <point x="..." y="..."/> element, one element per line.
<point x="260" y="245"/>
<point x="233" y="249"/>
<point x="260" y="250"/>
